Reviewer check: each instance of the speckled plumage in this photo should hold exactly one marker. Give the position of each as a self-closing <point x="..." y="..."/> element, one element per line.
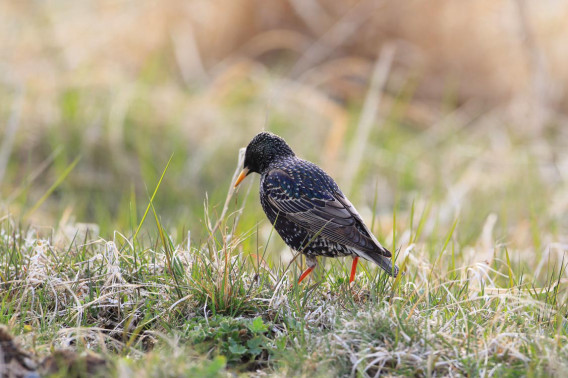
<point x="307" y="208"/>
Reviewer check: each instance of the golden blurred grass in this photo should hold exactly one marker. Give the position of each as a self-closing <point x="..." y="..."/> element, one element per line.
<point x="494" y="52"/>
<point x="123" y="84"/>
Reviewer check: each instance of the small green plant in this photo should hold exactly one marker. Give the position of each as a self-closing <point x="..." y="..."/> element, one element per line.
<point x="243" y="342"/>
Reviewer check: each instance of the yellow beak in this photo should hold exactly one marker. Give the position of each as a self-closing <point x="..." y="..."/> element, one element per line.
<point x="242" y="176"/>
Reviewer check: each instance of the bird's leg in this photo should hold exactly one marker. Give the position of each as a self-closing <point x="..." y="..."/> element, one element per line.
<point x="353" y="268"/>
<point x="305" y="274"/>
<point x="312" y="262"/>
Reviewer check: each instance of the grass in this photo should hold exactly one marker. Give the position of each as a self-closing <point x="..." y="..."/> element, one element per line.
<point x="138" y="304"/>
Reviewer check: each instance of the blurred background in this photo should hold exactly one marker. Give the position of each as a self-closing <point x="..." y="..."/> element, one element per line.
<point x="456" y="107"/>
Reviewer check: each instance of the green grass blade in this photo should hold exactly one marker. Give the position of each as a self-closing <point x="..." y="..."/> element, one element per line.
<point x="152" y="198"/>
<point x="58" y="182"/>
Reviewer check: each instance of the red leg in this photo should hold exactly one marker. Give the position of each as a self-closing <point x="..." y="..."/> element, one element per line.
<point x="305" y="274"/>
<point x="353" y="269"/>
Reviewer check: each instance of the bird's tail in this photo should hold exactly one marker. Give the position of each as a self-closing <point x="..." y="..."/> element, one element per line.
<point x="384" y="262"/>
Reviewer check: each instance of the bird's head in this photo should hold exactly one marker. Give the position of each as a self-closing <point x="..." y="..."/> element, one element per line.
<point x="262" y="150"/>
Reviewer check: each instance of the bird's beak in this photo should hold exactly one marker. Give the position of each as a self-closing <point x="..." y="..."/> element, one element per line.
<point x="242" y="176"/>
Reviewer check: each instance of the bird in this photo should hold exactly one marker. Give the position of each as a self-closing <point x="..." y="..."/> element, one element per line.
<point x="307" y="208"/>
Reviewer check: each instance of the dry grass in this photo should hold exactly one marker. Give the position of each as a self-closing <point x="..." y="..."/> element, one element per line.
<point x="136" y="303"/>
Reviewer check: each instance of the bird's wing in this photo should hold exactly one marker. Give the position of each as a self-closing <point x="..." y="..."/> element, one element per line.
<point x="324" y="211"/>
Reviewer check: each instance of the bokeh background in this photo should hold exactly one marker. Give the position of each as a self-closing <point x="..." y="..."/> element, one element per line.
<point x="459" y="107"/>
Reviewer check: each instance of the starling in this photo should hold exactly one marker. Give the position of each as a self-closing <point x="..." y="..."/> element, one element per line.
<point x="307" y="208"/>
